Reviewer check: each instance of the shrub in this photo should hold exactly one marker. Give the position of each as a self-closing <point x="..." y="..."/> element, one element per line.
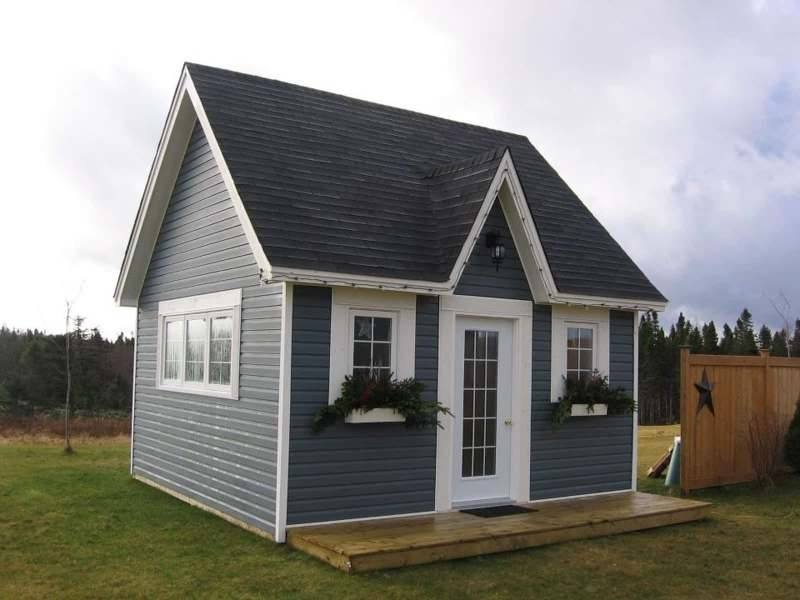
<point x="792" y="446"/>
<point x="766" y="445"/>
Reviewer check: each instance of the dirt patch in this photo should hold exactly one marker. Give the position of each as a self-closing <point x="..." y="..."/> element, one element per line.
<point x="52" y="428"/>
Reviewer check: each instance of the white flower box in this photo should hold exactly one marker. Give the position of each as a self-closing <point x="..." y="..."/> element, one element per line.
<point x="582" y="410"/>
<point x="376" y="415"/>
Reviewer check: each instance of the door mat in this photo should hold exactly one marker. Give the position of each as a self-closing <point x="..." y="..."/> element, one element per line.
<point x="489" y="512"/>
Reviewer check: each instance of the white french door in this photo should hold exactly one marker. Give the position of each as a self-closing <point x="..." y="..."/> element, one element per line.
<point x="482" y="410"/>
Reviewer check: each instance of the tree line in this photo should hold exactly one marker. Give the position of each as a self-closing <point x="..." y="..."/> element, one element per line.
<point x="33" y="371"/>
<point x="659" y="355"/>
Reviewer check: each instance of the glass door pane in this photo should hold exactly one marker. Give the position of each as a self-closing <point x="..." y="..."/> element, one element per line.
<point x="479" y="440"/>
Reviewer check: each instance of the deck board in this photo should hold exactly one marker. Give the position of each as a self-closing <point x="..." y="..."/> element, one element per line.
<point x="395" y="542"/>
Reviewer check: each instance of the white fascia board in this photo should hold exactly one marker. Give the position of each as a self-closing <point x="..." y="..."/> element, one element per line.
<point x="185" y="110"/>
<point x="607" y="302"/>
<point x="329" y="278"/>
<point x="155" y="198"/>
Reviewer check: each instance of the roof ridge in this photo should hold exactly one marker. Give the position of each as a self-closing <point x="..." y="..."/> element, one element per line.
<point x="466" y="163"/>
<point x="370" y="103"/>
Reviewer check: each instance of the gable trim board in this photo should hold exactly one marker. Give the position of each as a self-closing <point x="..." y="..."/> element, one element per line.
<point x="187" y="107"/>
<point x="185" y="110"/>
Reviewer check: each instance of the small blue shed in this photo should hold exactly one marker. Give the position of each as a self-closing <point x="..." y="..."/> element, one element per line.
<point x="288" y="237"/>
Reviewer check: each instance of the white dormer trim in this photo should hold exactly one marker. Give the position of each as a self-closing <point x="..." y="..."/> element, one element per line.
<point x="185" y="110"/>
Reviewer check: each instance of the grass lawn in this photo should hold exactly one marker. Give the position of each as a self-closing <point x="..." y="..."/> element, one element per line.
<point x="78" y="526"/>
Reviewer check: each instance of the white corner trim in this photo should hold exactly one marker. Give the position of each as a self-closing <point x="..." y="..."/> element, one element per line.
<point x="635" y="453"/>
<point x="284" y="414"/>
<point x="567" y="316"/>
<point x="133" y="385"/>
<point x="185" y="109"/>
<point x="400" y="307"/>
<point x="521" y="314"/>
<point x="201" y="303"/>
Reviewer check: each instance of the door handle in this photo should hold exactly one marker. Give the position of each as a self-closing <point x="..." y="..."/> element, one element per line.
<point x="508" y="422"/>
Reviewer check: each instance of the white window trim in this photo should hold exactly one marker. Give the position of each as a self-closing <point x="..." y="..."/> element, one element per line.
<point x="227" y="303"/>
<point x="564" y="317"/>
<point x="347" y="303"/>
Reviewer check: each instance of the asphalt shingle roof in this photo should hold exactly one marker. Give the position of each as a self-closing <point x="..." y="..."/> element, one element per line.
<point x="337" y="184"/>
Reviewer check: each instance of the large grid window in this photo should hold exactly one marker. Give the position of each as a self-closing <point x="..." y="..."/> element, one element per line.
<point x="372" y="345"/>
<point x="580" y="352"/>
<point x="479" y="438"/>
<point x="198" y="352"/>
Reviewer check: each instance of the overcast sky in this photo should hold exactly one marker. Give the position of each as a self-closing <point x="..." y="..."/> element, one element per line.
<point x="677" y="123"/>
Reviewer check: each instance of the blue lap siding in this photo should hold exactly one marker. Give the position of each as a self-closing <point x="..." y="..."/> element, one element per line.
<point x="482" y="278"/>
<point x="354" y="471"/>
<point x="587" y="454"/>
<point x="218" y="452"/>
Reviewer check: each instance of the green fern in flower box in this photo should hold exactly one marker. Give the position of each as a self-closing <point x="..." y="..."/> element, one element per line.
<point x="591" y="390"/>
<point x="365" y="393"/>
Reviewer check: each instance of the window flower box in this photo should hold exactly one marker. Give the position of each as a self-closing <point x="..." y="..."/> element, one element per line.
<point x="583" y="410"/>
<point x="376" y="415"/>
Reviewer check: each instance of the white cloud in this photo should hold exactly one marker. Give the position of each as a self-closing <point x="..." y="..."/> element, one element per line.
<point x="677" y="123"/>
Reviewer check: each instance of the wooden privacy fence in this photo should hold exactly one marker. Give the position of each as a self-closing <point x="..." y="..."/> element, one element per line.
<point x="751" y="396"/>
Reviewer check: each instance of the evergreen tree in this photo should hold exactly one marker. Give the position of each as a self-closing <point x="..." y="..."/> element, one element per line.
<point x="695" y="340"/>
<point x="744" y="339"/>
<point x="794" y="346"/>
<point x="779" y="346"/>
<point x="726" y="344"/>
<point x="710" y="338"/>
<point x="765" y="338"/>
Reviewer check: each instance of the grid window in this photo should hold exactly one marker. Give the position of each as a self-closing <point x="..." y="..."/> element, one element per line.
<point x="580" y="351"/>
<point x="372" y="345"/>
<point x="479" y="424"/>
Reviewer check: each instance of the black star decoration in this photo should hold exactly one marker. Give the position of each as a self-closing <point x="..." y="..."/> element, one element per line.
<point x="705" y="387"/>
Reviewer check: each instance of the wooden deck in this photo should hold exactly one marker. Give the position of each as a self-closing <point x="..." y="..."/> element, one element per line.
<point x="390" y="543"/>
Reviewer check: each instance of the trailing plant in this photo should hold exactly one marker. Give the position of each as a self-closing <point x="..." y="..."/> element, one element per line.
<point x="791" y="449"/>
<point x="365" y="393"/>
<point x="591" y="390"/>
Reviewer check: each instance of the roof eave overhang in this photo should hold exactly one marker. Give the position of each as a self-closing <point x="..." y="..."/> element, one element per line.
<point x="185" y="110"/>
<point x="507" y="188"/>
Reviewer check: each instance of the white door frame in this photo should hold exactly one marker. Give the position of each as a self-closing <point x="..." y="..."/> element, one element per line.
<point x="520" y="312"/>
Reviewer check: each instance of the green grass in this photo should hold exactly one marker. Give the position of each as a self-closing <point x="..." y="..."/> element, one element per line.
<point x="78" y="526"/>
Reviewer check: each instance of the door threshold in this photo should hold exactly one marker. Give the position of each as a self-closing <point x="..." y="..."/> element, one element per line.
<point x="483" y="502"/>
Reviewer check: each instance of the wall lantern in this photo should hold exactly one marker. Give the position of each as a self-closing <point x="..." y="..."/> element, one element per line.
<point x="496" y="249"/>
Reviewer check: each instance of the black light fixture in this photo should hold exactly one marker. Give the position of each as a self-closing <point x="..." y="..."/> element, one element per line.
<point x="496" y="249"/>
